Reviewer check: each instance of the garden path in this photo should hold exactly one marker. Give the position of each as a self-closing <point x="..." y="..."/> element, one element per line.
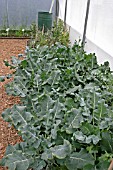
<point x="8" y="48"/>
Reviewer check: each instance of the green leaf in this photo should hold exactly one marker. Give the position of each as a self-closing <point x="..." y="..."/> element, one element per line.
<point x="2" y="78"/>
<point x="89" y="167"/>
<point x="70" y="103"/>
<point x="16" y="160"/>
<point x="101" y="110"/>
<point x="39" y="164"/>
<point x="74" y="118"/>
<point x="24" y="63"/>
<point x="79" y="135"/>
<point x="61" y="151"/>
<point x="6" y="63"/>
<point x="78" y="160"/>
<point x="95" y="139"/>
<point x="7" y="115"/>
<point x="47" y="155"/>
<point x="87" y="128"/>
<point x="73" y="90"/>
<point x="107" y="142"/>
<point x="103" y="165"/>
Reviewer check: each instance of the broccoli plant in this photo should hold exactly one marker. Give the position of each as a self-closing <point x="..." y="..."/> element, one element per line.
<point x="66" y="113"/>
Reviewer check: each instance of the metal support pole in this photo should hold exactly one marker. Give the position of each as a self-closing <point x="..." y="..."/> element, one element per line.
<point x="57" y="9"/>
<point x="7" y="15"/>
<point x="52" y="3"/>
<point x="65" y="15"/>
<point x="86" y="21"/>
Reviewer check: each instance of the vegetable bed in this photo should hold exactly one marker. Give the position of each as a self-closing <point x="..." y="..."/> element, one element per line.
<point x="15" y="33"/>
<point x="66" y="113"/>
<point x="8" y="135"/>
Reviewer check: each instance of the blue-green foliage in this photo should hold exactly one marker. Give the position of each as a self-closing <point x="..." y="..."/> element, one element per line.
<point x="66" y="113"/>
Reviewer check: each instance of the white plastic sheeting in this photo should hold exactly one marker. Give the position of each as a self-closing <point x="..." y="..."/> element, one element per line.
<point x="100" y="24"/>
<point x="22" y="12"/>
<point x="62" y="9"/>
<point x="100" y="21"/>
<point x="76" y="10"/>
<point x="99" y="34"/>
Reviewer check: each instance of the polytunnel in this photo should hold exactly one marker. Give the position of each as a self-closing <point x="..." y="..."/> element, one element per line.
<point x="56" y="85"/>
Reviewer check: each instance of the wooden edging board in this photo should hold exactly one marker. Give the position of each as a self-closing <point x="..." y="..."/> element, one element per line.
<point x="14" y="37"/>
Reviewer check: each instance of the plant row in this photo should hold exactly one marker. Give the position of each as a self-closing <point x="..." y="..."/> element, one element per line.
<point x="65" y="116"/>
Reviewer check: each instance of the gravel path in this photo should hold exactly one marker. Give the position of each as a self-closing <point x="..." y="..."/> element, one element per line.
<point x="8" y="48"/>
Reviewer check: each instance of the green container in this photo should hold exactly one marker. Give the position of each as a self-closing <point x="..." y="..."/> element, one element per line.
<point x="44" y="20"/>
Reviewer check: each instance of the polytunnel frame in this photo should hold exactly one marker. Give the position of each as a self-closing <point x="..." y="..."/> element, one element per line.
<point x="85" y="23"/>
<point x="6" y="1"/>
<point x="65" y="16"/>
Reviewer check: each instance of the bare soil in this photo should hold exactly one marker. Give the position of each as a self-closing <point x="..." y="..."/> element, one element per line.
<point x="8" y="135"/>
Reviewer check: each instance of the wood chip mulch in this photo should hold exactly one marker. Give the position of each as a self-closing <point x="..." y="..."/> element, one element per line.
<point x="8" y="48"/>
